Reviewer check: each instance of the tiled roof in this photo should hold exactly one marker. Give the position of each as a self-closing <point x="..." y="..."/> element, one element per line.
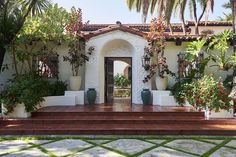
<point x="114" y="28"/>
<point x="140" y="27"/>
<point x="93" y="30"/>
<point x="184" y="37"/>
<point x="210" y="23"/>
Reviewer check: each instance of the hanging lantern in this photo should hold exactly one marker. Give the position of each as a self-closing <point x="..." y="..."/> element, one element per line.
<point x="146" y="61"/>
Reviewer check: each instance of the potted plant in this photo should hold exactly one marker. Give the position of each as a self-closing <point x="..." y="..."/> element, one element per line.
<point x="76" y="54"/>
<point x="153" y="60"/>
<point x="23" y="95"/>
<point x="76" y="58"/>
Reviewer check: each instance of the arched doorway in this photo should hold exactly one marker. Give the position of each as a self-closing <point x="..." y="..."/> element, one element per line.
<point x="118" y="80"/>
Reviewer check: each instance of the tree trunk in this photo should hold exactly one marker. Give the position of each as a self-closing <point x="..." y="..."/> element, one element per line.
<point x="2" y="55"/>
<point x="183" y="25"/>
<point x="196" y="28"/>
<point x="171" y="29"/>
<point x="233" y="91"/>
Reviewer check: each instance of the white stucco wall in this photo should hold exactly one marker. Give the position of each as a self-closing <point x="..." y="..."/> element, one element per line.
<point x="63" y="67"/>
<point x="216" y="29"/>
<point x="115" y="44"/>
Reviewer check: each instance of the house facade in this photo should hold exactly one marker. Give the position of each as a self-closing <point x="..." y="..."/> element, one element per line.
<point x="123" y="42"/>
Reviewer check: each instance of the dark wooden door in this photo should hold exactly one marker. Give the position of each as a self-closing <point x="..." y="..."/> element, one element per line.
<point x="109" y="80"/>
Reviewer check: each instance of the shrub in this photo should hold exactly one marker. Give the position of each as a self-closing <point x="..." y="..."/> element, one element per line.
<point x="26" y="89"/>
<point x="57" y="88"/>
<point x="29" y="90"/>
<point x="205" y="92"/>
<point x="121" y="81"/>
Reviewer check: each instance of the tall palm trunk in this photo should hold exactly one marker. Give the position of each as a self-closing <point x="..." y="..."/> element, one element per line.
<point x="196" y="19"/>
<point x="183" y="24"/>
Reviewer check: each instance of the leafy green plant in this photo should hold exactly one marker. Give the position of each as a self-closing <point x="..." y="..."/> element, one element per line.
<point x="29" y="89"/>
<point x="57" y="88"/>
<point x="206" y="93"/>
<point x="121" y="81"/>
<point x="178" y="90"/>
<point x="25" y="89"/>
<point x="218" y="50"/>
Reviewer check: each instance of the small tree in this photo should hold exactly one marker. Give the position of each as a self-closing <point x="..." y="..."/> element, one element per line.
<point x="155" y="50"/>
<point x="76" y="54"/>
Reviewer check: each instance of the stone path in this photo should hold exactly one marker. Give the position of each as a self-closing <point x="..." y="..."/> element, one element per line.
<point x="118" y="147"/>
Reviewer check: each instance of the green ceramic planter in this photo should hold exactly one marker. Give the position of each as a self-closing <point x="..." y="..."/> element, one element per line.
<point x="91" y="95"/>
<point x="146" y="96"/>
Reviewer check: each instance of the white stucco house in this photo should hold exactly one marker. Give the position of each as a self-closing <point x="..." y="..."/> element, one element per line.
<point x="125" y="42"/>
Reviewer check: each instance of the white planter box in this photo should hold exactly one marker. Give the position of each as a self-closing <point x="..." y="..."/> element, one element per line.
<point x="58" y="101"/>
<point x="163" y="98"/>
<point x="19" y="112"/>
<point x="222" y="114"/>
<point x="79" y="96"/>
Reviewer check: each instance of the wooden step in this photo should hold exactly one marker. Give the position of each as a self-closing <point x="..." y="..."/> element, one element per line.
<point x="121" y="120"/>
<point x="157" y="114"/>
<point x="121" y="129"/>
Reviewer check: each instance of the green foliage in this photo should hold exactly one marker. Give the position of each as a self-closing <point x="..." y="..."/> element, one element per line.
<point x="218" y="50"/>
<point x="178" y="91"/>
<point x="50" y="26"/>
<point x="226" y="16"/>
<point x="124" y="93"/>
<point x="205" y="92"/>
<point x="57" y="88"/>
<point x="194" y="49"/>
<point x="29" y="90"/>
<point x="26" y="89"/>
<point x="13" y="14"/>
<point x="121" y="81"/>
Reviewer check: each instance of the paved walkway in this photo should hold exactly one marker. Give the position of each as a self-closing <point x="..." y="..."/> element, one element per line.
<point x="118" y="147"/>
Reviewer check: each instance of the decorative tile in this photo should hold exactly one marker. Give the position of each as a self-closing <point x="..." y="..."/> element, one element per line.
<point x="165" y="152"/>
<point x="224" y="152"/>
<point x="214" y="141"/>
<point x="38" y="142"/>
<point x="99" y="141"/>
<point x="28" y="153"/>
<point x="232" y="143"/>
<point x="192" y="146"/>
<point x="12" y="145"/>
<point x="97" y="152"/>
<point x="156" y="141"/>
<point x="129" y="146"/>
<point x="65" y="147"/>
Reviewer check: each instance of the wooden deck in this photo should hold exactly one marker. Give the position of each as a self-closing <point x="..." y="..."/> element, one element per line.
<point x="117" y="119"/>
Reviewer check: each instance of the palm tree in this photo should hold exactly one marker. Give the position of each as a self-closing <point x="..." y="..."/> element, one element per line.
<point x="13" y="14"/>
<point x="227" y="16"/>
<point x="166" y="7"/>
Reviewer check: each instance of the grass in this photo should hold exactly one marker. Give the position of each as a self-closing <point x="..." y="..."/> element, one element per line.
<point x="89" y="140"/>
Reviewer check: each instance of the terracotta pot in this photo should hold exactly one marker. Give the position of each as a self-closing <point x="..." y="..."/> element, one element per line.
<point x="161" y="83"/>
<point x="75" y="83"/>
